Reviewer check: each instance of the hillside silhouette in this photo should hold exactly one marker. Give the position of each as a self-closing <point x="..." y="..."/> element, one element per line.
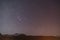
<point x="27" y="37"/>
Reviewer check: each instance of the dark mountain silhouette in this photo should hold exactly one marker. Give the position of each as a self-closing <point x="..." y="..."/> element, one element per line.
<point x="27" y="37"/>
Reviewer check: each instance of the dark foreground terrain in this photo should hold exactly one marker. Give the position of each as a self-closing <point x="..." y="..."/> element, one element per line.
<point x="25" y="37"/>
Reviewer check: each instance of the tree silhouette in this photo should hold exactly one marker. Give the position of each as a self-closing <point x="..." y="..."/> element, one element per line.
<point x="21" y="37"/>
<point x="0" y="34"/>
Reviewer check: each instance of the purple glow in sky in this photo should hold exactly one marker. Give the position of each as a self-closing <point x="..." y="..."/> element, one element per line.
<point x="30" y="17"/>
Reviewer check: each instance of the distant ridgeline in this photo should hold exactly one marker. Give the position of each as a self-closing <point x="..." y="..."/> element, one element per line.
<point x="27" y="37"/>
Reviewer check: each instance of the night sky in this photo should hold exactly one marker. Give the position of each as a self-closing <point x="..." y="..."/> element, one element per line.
<point x="31" y="17"/>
